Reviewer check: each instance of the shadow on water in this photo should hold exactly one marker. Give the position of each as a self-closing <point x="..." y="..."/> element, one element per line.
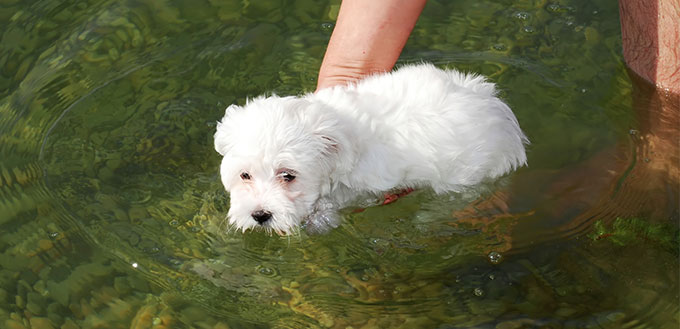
<point x="112" y="213"/>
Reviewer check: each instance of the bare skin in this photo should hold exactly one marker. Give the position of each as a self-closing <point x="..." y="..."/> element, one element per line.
<point x="650" y="31"/>
<point x="368" y="38"/>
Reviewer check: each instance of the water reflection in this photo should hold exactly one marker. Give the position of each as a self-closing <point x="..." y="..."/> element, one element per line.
<point x="111" y="210"/>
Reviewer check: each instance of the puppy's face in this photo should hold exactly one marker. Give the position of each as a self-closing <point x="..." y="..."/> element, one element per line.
<point x="277" y="162"/>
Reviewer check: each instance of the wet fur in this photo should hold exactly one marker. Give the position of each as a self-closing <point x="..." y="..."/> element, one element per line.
<point x="419" y="126"/>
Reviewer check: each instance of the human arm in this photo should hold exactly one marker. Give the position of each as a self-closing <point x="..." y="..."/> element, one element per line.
<point x="368" y="38"/>
<point x="650" y="32"/>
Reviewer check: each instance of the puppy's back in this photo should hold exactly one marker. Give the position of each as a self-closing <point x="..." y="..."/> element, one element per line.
<point x="455" y="126"/>
<point x="425" y="79"/>
<point x="423" y="126"/>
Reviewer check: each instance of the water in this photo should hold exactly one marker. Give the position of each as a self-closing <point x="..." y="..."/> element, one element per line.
<point x="112" y="214"/>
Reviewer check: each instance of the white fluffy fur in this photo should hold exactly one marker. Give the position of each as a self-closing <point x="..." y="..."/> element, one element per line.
<point x="416" y="127"/>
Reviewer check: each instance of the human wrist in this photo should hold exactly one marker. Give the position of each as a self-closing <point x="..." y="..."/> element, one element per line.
<point x="368" y="38"/>
<point x="343" y="71"/>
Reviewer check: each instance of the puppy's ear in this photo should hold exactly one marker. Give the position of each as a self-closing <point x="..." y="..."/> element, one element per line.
<point x="331" y="146"/>
<point x="337" y="151"/>
<point x="223" y="133"/>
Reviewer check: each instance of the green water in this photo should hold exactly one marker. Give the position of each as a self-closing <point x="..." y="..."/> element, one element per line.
<point x="112" y="214"/>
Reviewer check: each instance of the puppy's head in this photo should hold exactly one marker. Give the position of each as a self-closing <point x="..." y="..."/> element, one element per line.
<point x="278" y="153"/>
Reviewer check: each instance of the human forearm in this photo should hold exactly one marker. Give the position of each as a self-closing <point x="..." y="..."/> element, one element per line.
<point x="368" y="38"/>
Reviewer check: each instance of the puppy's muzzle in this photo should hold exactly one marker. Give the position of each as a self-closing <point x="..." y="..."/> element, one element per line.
<point x="261" y="216"/>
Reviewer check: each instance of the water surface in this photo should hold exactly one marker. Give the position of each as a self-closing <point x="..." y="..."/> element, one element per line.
<point x="112" y="214"/>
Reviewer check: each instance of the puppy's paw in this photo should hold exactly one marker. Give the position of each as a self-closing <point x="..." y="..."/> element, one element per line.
<point x="324" y="218"/>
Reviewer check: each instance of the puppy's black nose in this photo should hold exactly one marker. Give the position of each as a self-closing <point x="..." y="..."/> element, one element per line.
<point x="261" y="216"/>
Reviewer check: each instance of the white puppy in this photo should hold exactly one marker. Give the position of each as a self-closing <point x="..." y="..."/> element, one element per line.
<point x="294" y="160"/>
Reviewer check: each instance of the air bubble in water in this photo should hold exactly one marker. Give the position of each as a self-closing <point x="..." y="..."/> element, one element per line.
<point x="553" y="7"/>
<point x="327" y="27"/>
<point x="523" y="15"/>
<point x="266" y="271"/>
<point x="499" y="47"/>
<point x="478" y="292"/>
<point x="495" y="257"/>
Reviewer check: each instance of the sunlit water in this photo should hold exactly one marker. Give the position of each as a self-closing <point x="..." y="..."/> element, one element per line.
<point x="112" y="213"/>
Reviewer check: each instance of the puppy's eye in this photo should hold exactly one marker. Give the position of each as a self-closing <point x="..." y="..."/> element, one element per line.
<point x="286" y="176"/>
<point x="245" y="176"/>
